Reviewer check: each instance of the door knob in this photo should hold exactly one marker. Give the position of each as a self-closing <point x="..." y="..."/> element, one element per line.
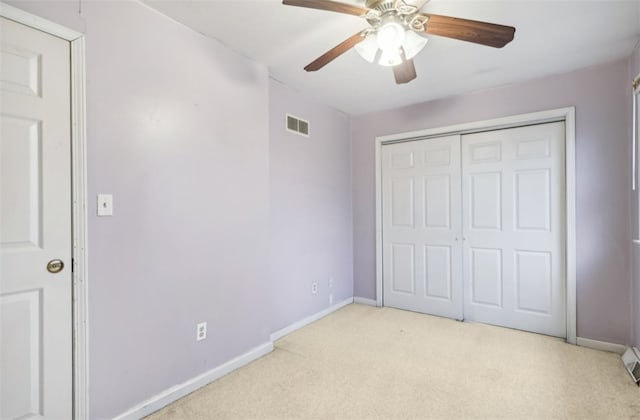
<point x="55" y="266"/>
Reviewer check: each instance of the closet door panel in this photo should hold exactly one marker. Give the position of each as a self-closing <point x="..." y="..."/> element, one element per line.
<point x="422" y="255"/>
<point x="513" y="224"/>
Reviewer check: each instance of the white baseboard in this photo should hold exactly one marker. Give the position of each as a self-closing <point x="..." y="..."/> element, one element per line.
<point x="365" y="301"/>
<point x="601" y="345"/>
<point x="308" y="320"/>
<point x="174" y="393"/>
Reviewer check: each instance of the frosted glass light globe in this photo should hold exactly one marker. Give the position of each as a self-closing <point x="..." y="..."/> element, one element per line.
<point x="390" y="37"/>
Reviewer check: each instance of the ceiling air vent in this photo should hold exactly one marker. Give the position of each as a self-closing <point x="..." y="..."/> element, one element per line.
<point x="297" y="125"/>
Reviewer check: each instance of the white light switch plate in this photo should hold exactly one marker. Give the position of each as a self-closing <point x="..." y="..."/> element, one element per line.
<point x="105" y="205"/>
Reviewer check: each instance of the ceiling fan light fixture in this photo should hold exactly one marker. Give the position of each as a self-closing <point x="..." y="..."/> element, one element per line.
<point x="371" y="52"/>
<point x="390" y="58"/>
<point x="368" y="48"/>
<point x="413" y="44"/>
<point x="390" y="36"/>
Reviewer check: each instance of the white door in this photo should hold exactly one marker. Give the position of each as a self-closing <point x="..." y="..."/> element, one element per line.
<point x="35" y="223"/>
<point x="513" y="224"/>
<point x="421" y="226"/>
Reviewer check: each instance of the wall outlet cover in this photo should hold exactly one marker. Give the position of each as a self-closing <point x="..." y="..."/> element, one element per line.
<point x="201" y="333"/>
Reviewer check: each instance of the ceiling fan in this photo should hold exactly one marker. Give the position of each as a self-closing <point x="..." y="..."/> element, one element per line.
<point x="397" y="33"/>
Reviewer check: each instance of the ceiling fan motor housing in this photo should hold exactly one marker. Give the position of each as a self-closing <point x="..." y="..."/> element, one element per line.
<point x="381" y="5"/>
<point x="381" y="10"/>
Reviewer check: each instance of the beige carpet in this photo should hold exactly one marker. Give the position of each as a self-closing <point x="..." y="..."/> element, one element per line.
<point x="363" y="362"/>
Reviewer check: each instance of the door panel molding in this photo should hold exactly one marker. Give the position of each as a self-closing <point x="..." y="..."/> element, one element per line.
<point x="554" y="115"/>
<point x="79" y="194"/>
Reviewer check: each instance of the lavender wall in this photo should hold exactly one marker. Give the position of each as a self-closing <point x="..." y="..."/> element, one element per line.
<point x="178" y="132"/>
<point x="601" y="97"/>
<point x="310" y="206"/>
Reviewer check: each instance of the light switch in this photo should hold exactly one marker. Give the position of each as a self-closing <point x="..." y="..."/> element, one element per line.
<point x="105" y="205"/>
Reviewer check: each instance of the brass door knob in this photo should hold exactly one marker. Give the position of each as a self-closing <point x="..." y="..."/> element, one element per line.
<point x="55" y="266"/>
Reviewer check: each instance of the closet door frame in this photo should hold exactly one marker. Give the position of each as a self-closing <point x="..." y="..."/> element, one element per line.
<point x="561" y="114"/>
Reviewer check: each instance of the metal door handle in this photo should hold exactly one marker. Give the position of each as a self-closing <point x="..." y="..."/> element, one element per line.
<point x="55" y="266"/>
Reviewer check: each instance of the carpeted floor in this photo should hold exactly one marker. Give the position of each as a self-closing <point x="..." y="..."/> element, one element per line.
<point x="363" y="362"/>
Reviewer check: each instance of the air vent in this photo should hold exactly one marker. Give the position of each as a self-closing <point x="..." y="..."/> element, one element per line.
<point x="631" y="360"/>
<point x="298" y="125"/>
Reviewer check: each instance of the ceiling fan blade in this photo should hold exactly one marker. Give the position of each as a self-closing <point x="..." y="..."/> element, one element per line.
<point x="490" y="34"/>
<point x="334" y="52"/>
<point x="331" y="6"/>
<point x="405" y="72"/>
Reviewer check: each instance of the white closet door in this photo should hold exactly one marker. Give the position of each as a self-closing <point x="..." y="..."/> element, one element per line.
<point x="513" y="223"/>
<point x="421" y="225"/>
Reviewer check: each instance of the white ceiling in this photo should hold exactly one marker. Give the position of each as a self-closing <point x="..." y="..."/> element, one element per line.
<point x="551" y="36"/>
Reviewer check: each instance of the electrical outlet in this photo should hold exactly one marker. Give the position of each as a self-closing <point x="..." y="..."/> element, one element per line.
<point x="314" y="287"/>
<point x="201" y="333"/>
<point x="330" y="299"/>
